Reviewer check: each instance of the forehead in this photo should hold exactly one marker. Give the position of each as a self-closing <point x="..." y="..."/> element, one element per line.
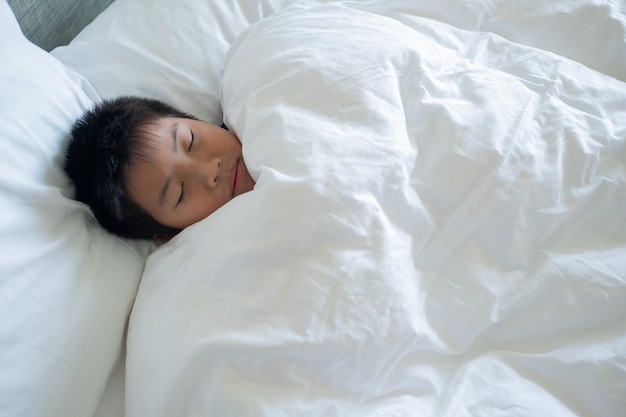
<point x="151" y="156"/>
<point x="149" y="140"/>
<point x="156" y="131"/>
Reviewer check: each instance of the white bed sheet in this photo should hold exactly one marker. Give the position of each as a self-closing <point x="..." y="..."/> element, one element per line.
<point x="437" y="228"/>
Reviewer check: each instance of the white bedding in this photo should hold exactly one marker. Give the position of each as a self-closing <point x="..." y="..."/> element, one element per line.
<point x="438" y="227"/>
<point x="437" y="230"/>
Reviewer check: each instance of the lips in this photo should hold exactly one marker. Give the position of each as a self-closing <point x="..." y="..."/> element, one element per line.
<point x="236" y="178"/>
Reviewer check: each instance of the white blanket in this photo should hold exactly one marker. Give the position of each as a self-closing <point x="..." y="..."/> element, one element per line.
<point x="438" y="229"/>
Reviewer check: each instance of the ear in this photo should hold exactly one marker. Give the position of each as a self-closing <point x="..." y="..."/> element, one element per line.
<point x="161" y="238"/>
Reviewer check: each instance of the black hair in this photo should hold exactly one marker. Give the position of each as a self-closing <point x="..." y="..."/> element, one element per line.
<point x="105" y="142"/>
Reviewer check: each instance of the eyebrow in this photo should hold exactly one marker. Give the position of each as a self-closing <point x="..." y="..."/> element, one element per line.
<point x="166" y="186"/>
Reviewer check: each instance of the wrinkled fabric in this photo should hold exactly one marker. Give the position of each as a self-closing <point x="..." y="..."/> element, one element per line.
<point x="437" y="229"/>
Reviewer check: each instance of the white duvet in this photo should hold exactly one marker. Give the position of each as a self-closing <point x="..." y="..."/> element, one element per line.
<point x="438" y="229"/>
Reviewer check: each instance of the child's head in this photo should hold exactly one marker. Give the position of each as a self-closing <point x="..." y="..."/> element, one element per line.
<point x="147" y="170"/>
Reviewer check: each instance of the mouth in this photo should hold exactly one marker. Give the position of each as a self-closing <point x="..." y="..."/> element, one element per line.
<point x="235" y="178"/>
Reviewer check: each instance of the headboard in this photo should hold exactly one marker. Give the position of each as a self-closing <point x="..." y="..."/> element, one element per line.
<point x="49" y="24"/>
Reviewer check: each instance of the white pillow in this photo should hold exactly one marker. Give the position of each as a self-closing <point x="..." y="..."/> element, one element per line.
<point x="66" y="286"/>
<point x="172" y="50"/>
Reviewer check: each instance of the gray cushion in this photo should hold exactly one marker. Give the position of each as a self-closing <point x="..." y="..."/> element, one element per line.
<point x="50" y="23"/>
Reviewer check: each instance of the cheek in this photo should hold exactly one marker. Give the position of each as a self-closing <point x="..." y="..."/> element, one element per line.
<point x="202" y="208"/>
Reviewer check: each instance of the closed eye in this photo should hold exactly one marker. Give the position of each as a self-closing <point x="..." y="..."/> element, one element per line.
<point x="190" y="142"/>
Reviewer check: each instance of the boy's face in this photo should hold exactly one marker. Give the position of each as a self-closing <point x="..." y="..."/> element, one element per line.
<point x="191" y="169"/>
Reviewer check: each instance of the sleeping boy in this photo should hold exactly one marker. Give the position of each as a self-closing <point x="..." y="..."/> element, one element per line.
<point x="148" y="170"/>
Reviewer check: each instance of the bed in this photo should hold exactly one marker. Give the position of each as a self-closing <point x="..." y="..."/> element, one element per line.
<point x="438" y="226"/>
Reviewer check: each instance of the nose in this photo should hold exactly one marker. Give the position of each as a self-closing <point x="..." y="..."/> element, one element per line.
<point x="209" y="173"/>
